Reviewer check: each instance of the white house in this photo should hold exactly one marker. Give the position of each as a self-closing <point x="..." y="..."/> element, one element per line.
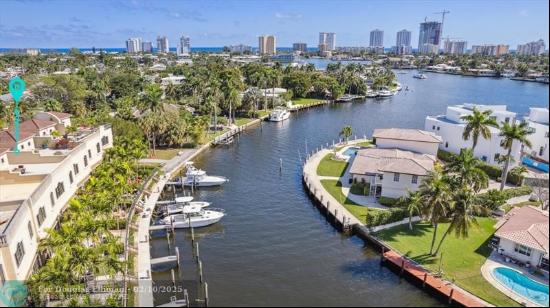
<point x="415" y="140"/>
<point x="401" y="160"/>
<point x="175" y="80"/>
<point x="522" y="234"/>
<point x="538" y="122"/>
<point x="450" y="127"/>
<point x="35" y="187"/>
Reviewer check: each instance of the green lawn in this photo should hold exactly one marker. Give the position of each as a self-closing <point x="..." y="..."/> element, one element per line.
<point x="334" y="188"/>
<point x="243" y="121"/>
<point x="462" y="258"/>
<point x="166" y="154"/>
<point x="305" y="101"/>
<point x="330" y="167"/>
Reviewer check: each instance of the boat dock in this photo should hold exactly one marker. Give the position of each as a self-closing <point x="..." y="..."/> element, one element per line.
<point x="295" y="108"/>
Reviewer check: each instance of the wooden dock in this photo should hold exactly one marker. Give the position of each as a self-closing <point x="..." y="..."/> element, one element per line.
<point x="295" y="108"/>
<point x="446" y="289"/>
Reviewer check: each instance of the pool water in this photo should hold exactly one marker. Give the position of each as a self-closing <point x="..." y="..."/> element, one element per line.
<point x="351" y="151"/>
<point x="522" y="285"/>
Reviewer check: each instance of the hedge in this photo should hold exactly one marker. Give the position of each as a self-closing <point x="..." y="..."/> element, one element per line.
<point x="380" y="217"/>
<point x="386" y="201"/>
<point x="494" y="172"/>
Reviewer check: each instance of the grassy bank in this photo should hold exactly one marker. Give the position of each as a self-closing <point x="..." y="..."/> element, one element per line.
<point x="462" y="258"/>
<point x="334" y="188"/>
<point x="330" y="167"/>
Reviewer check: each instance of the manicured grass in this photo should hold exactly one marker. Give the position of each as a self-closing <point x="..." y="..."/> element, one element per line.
<point x="305" y="101"/>
<point x="334" y="188"/>
<point x="330" y="167"/>
<point x="164" y="153"/>
<point x="243" y="121"/>
<point x="364" y="144"/>
<point x="462" y="258"/>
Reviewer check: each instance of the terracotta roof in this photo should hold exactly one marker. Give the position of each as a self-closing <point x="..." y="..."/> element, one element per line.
<point x="3" y="150"/>
<point x="7" y="138"/>
<point x="374" y="161"/>
<point x="35" y="125"/>
<point x="60" y="115"/>
<point x="406" y="134"/>
<point x="527" y="226"/>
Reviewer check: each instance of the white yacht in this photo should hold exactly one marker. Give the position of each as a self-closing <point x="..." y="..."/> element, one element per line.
<point x="279" y="114"/>
<point x="194" y="216"/>
<point x="420" y="76"/>
<point x="385" y="93"/>
<point x="199" y="178"/>
<point x="181" y="202"/>
<point x="372" y="94"/>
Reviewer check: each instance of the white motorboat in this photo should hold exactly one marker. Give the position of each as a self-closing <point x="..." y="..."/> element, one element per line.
<point x="181" y="202"/>
<point x="194" y="216"/>
<point x="420" y="76"/>
<point x="372" y="94"/>
<point x="199" y="178"/>
<point x="279" y="114"/>
<point x="385" y="93"/>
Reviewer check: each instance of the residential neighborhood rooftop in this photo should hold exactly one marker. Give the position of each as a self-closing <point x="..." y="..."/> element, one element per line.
<point x="527" y="226"/>
<point x="407" y="134"/>
<point x="376" y="161"/>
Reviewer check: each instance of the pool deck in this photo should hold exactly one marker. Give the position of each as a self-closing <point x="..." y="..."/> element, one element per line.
<point x="494" y="261"/>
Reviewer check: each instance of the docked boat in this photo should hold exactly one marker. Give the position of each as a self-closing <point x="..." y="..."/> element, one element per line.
<point x="345" y="98"/>
<point x="199" y="178"/>
<point x="372" y="94"/>
<point x="385" y="93"/>
<point x="420" y="76"/>
<point x="279" y="114"/>
<point x="181" y="202"/>
<point x="194" y="216"/>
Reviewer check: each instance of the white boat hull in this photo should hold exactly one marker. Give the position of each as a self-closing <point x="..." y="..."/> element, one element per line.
<point x="206" y="219"/>
<point x="280" y="118"/>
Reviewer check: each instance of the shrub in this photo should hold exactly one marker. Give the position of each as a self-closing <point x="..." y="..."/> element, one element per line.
<point x="390" y="202"/>
<point x="378" y="217"/>
<point x="360" y="189"/>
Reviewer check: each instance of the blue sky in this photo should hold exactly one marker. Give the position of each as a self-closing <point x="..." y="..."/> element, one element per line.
<point x="102" y="23"/>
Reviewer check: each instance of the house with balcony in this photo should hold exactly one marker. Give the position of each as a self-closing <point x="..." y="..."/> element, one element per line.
<point x="538" y="123"/>
<point x="36" y="185"/>
<point x="400" y="161"/>
<point x="450" y="127"/>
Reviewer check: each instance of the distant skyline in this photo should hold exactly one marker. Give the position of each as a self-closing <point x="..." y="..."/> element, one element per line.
<point x="215" y="23"/>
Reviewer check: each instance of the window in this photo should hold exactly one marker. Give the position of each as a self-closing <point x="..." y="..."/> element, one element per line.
<point x="507" y="120"/>
<point x="22" y="147"/>
<point x="433" y="127"/>
<point x="71" y="179"/>
<point x="541" y="151"/>
<point x="29" y="143"/>
<point x="29" y="227"/>
<point x="75" y="168"/>
<point x="97" y="147"/>
<point x="414" y="179"/>
<point x="104" y="140"/>
<point x="41" y="216"/>
<point x="85" y="161"/>
<point x="2" y="160"/>
<point x="438" y="128"/>
<point x="497" y="155"/>
<point x="484" y="158"/>
<point x="19" y="253"/>
<point x="52" y="200"/>
<point x="396" y="177"/>
<point x="524" y="250"/>
<point x="89" y="153"/>
<point x="59" y="190"/>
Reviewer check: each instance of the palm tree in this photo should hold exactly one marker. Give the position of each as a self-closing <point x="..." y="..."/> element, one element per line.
<point x="437" y="198"/>
<point x="511" y="133"/>
<point x="478" y="124"/>
<point x="465" y="170"/>
<point x="346" y="132"/>
<point x="414" y="203"/>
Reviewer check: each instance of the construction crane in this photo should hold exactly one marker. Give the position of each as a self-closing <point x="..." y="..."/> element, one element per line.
<point x="443" y="13"/>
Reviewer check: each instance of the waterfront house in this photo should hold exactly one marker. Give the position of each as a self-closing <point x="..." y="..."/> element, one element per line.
<point x="450" y="127"/>
<point x="522" y="236"/>
<point x="390" y="172"/>
<point x="538" y="122"/>
<point x="37" y="183"/>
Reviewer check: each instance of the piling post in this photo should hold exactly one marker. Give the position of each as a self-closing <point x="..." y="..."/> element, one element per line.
<point x="197" y="254"/>
<point x="206" y="294"/>
<point x="451" y="296"/>
<point x="402" y="267"/>
<point x="424" y="280"/>
<point x="173" y="277"/>
<point x="200" y="271"/>
<point x="178" y="255"/>
<point x="168" y="240"/>
<point x="382" y="257"/>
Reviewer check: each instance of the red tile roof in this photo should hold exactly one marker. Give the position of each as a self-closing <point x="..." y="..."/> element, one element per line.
<point x="35" y="125"/>
<point x="60" y="115"/>
<point x="527" y="226"/>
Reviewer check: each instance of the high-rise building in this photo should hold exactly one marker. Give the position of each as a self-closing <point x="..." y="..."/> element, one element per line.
<point x="241" y="48"/>
<point x="532" y="48"/>
<point x="455" y="47"/>
<point x="403" y="38"/>
<point x="430" y="37"/>
<point x="267" y="45"/>
<point x="184" y="47"/>
<point x="147" y="47"/>
<point x="490" y="50"/>
<point x="329" y="39"/>
<point x="376" y="38"/>
<point x="162" y="44"/>
<point x="299" y="47"/>
<point x="133" y="45"/>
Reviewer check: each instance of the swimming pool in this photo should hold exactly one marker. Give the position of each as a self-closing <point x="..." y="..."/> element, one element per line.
<point x="522" y="285"/>
<point x="351" y="151"/>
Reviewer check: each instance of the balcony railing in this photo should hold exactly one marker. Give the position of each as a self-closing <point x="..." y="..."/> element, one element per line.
<point x="3" y="240"/>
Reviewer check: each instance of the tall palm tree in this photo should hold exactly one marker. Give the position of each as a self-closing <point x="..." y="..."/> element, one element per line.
<point x="465" y="169"/>
<point x="478" y="124"/>
<point x="437" y="197"/>
<point x="346" y="132"/>
<point x="414" y="203"/>
<point x="511" y="133"/>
